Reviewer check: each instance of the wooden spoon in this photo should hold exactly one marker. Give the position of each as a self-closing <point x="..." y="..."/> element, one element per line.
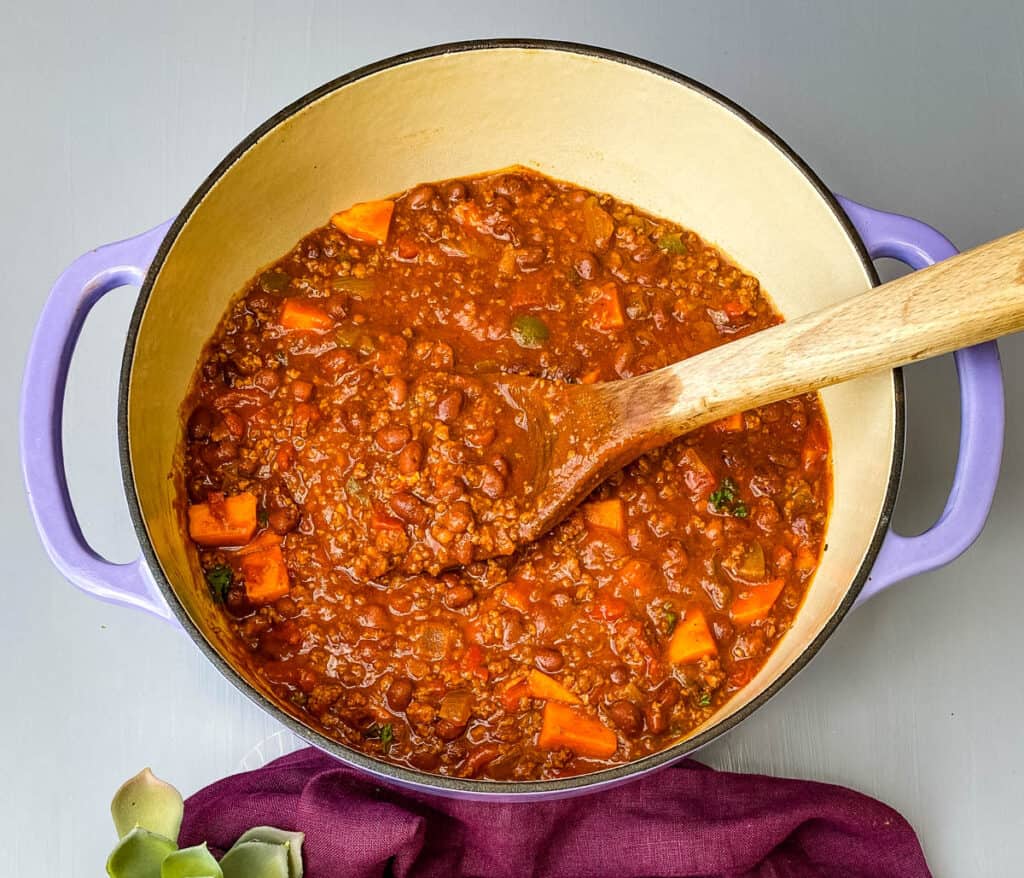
<point x="584" y="433"/>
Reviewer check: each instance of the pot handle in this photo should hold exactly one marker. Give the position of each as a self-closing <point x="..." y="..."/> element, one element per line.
<point x="981" y="416"/>
<point x="42" y="410"/>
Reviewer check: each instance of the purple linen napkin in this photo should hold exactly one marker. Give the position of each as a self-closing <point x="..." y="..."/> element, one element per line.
<point x="688" y="820"/>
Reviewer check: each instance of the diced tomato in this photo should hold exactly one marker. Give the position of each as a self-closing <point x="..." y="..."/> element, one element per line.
<point x="734" y="308"/>
<point x="609" y="607"/>
<point x="383" y="521"/>
<point x="815" y="448"/>
<point x="512" y="695"/>
<point x="698" y="478"/>
<point x="473" y="661"/>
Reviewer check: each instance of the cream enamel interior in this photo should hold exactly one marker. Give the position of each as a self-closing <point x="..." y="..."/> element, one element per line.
<point x="600" y="123"/>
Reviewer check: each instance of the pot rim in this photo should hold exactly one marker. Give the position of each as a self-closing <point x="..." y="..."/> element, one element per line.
<point x="435" y="783"/>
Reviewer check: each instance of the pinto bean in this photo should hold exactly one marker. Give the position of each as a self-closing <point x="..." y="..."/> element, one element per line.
<point x="410" y="459"/>
<point x="392" y="438"/>
<point x="449" y="406"/>
<point x="408" y="507"/>
<point x="421" y="196"/>
<point x="548" y="660"/>
<point x="458" y="596"/>
<point x="399" y="694"/>
<point x="627" y="718"/>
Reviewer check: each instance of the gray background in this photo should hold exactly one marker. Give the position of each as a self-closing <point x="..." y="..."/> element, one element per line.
<point x="112" y="114"/>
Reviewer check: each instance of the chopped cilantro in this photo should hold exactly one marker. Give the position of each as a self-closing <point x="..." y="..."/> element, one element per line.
<point x="384" y="733"/>
<point x="671" y="618"/>
<point x="220" y="578"/>
<point x="725" y="499"/>
<point x="704" y="699"/>
<point x="724" y="496"/>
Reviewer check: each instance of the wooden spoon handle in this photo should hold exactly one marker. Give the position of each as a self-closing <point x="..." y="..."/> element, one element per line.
<point x="970" y="298"/>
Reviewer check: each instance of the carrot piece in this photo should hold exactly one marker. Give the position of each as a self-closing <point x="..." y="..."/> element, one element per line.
<point x="512" y="695"/>
<point x="592" y="376"/>
<point x="297" y="314"/>
<point x="607" y="514"/>
<point x="755" y="601"/>
<point x="607" y="309"/>
<point x="265" y="575"/>
<point x="731" y="424"/>
<point x="223" y="521"/>
<point x="266" y="540"/>
<point x="549" y="689"/>
<point x="563" y="726"/>
<point x="691" y="639"/>
<point x="367" y="221"/>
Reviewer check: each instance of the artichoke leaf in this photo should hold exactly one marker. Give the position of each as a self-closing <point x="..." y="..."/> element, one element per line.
<point x="139" y="854"/>
<point x="193" y="862"/>
<point x="256" y="859"/>
<point x="149" y="802"/>
<point x="273" y="835"/>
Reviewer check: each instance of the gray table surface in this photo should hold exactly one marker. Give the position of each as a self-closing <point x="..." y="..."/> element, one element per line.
<point x="112" y="114"/>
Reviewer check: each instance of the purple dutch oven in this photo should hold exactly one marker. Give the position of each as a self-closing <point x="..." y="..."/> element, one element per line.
<point x="656" y="139"/>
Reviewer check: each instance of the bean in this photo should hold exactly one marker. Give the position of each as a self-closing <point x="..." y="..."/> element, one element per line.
<point x="408" y="507"/>
<point x="456" y="191"/>
<point x="449" y="406"/>
<point x="627" y="718"/>
<point x="267" y="379"/>
<point x="619" y="675"/>
<point x="283" y="520"/>
<point x="398" y="391"/>
<point x="399" y="694"/>
<point x="421" y="196"/>
<point x="200" y="423"/>
<point x="220" y="452"/>
<point x="548" y="660"/>
<point x="410" y="459"/>
<point x="458" y="596"/>
<point x="392" y="438"/>
<point x="492" y="483"/>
